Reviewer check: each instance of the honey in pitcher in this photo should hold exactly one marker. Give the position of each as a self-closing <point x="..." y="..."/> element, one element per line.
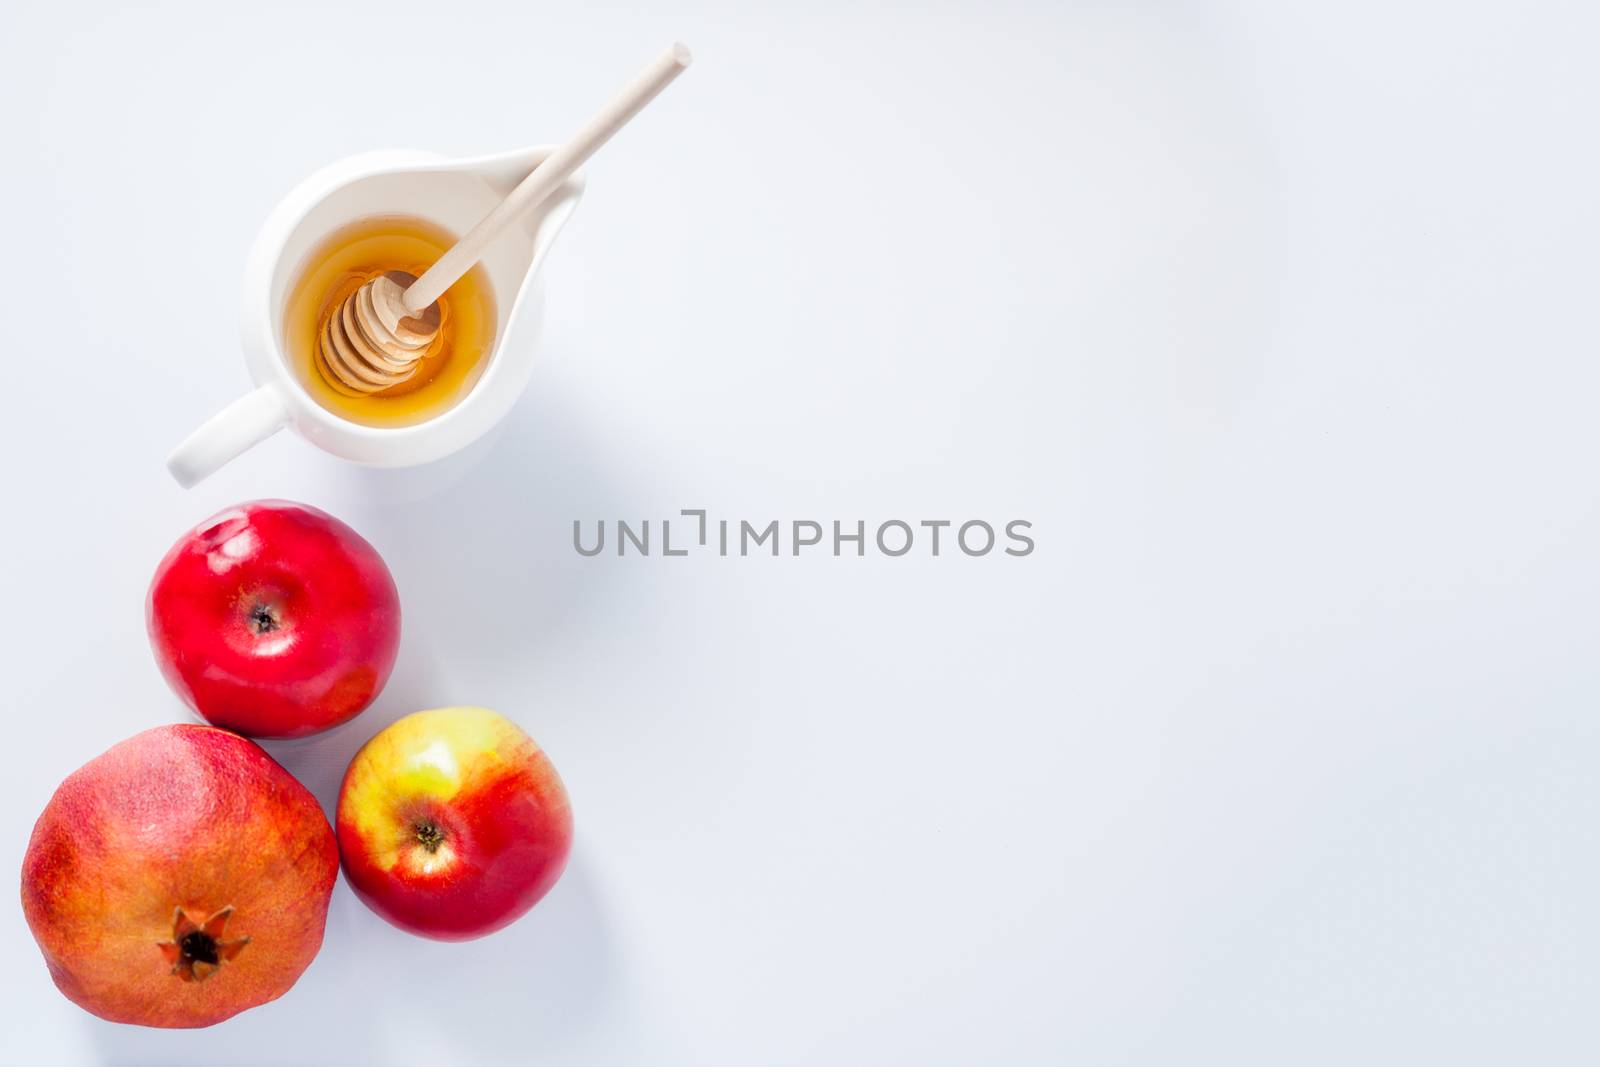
<point x="352" y="256"/>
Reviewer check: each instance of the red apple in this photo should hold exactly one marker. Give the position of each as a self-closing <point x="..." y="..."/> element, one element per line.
<point x="452" y="823"/>
<point x="178" y="879"/>
<point x="274" y="619"/>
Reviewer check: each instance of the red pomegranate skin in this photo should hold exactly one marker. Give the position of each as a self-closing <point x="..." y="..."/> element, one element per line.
<point x="178" y="879"/>
<point x="274" y="619"/>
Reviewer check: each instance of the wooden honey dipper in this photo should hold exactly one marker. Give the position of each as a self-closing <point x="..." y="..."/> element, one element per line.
<point x="377" y="336"/>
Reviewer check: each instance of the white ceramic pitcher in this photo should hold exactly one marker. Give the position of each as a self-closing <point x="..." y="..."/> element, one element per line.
<point x="453" y="194"/>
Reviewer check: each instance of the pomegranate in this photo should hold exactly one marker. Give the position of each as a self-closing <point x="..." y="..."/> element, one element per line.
<point x="178" y="879"/>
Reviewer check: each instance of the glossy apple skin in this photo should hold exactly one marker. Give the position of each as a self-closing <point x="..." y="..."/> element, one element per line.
<point x="274" y="619"/>
<point x="181" y="819"/>
<point x="471" y="784"/>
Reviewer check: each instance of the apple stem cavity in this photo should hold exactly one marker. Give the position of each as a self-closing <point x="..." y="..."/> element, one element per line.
<point x="430" y="834"/>
<point x="263" y="620"/>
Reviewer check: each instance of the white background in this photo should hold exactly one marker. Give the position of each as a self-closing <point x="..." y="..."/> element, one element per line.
<point x="1276" y="319"/>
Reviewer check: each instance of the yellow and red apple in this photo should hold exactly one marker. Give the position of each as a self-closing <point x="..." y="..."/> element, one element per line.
<point x="452" y="823"/>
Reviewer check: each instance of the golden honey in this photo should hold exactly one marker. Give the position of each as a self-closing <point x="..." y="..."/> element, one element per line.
<point x="348" y="259"/>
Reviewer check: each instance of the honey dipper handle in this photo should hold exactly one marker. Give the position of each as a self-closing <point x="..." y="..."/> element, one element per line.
<point x="547" y="177"/>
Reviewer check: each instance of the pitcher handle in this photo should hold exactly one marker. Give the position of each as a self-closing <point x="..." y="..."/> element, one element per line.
<point x="247" y="421"/>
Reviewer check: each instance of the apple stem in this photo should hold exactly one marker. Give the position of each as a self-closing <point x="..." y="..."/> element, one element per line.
<point x="262" y="619"/>
<point x="430" y="834"/>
